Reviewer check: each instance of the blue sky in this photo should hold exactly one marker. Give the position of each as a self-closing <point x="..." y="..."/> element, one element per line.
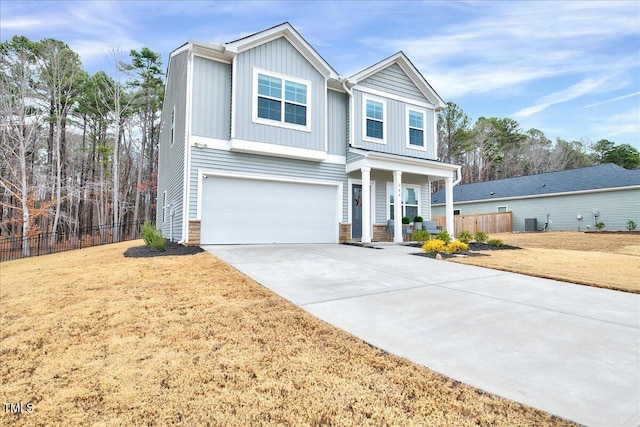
<point x="570" y="69"/>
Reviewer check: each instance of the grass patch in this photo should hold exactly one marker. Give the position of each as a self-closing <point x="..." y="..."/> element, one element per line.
<point x="92" y="337"/>
<point x="602" y="260"/>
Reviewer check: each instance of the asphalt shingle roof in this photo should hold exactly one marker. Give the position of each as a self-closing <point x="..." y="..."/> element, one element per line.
<point x="590" y="178"/>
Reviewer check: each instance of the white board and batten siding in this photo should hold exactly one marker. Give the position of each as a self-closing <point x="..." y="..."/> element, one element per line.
<point x="171" y="155"/>
<point x="211" y="99"/>
<point x="279" y="56"/>
<point x="337" y="107"/>
<point x="393" y="80"/>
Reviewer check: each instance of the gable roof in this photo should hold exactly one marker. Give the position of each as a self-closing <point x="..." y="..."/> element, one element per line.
<point x="287" y="31"/>
<point x="409" y="69"/>
<point x="574" y="180"/>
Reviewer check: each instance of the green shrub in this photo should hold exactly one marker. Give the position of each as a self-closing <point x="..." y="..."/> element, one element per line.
<point x="153" y="237"/>
<point x="406" y="220"/>
<point x="600" y="225"/>
<point x="444" y="236"/>
<point x="417" y="219"/>
<point x="465" y="236"/>
<point x="481" y="236"/>
<point x="456" y="247"/>
<point x="421" y="236"/>
<point x="433" y="246"/>
<point x="631" y="225"/>
<point x="148" y="231"/>
<point x="495" y="242"/>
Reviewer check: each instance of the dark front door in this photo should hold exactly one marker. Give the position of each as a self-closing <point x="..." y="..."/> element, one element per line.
<point x="356" y="211"/>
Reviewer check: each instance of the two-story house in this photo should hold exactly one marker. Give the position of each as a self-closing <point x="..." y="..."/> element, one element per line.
<point x="262" y="141"/>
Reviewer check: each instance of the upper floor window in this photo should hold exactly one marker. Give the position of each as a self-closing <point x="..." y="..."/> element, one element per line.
<point x="374" y="126"/>
<point x="281" y="99"/>
<point x="415" y="128"/>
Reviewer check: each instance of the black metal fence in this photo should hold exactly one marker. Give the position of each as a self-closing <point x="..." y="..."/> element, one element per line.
<point x="67" y="240"/>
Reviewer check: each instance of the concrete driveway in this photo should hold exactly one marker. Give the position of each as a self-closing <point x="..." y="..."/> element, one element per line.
<point x="573" y="351"/>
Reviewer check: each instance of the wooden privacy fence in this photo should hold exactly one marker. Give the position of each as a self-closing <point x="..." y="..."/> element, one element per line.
<point x="487" y="222"/>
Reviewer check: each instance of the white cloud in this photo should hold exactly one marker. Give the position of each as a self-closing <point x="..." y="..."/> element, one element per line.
<point x="629" y="95"/>
<point x="577" y="90"/>
<point x="626" y="123"/>
<point x="505" y="45"/>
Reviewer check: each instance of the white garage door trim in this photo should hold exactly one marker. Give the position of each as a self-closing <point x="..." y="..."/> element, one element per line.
<point x="338" y="185"/>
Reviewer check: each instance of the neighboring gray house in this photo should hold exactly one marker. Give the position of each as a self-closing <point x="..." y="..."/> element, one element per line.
<point x="605" y="193"/>
<point x="262" y="141"/>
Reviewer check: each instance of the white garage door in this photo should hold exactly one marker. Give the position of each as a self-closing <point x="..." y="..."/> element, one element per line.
<point x="240" y="210"/>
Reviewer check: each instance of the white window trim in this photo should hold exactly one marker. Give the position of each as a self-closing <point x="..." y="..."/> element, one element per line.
<point x="506" y="208"/>
<point x="173" y="125"/>
<point x="164" y="207"/>
<point x="424" y="128"/>
<point x="416" y="187"/>
<point x="385" y="122"/>
<point x="281" y="123"/>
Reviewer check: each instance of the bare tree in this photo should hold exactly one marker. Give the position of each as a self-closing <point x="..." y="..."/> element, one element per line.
<point x="60" y="69"/>
<point x="20" y="123"/>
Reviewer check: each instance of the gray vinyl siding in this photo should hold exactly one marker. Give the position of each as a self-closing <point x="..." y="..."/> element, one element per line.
<point x="395" y="120"/>
<point x="281" y="57"/>
<point x="211" y="99"/>
<point x="615" y="207"/>
<point x="352" y="157"/>
<point x="336" y="123"/>
<point x="211" y="159"/>
<point x="394" y="80"/>
<point x="171" y="156"/>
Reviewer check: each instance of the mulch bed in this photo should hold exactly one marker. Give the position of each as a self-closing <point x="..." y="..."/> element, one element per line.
<point x="173" y="249"/>
<point x="475" y="249"/>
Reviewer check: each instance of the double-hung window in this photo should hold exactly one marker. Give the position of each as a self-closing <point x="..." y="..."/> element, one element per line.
<point x="374" y="126"/>
<point x="281" y="100"/>
<point x="410" y="201"/>
<point x="415" y="128"/>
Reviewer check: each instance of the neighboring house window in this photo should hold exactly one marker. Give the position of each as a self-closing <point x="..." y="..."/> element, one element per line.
<point x="173" y="124"/>
<point x="502" y="209"/>
<point x="415" y="128"/>
<point x="281" y="99"/>
<point x="456" y="211"/>
<point x="410" y="201"/>
<point x="374" y="127"/>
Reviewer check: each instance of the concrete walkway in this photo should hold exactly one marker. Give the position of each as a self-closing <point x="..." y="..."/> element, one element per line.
<point x="571" y="350"/>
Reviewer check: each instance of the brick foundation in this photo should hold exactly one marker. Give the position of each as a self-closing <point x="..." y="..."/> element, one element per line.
<point x="380" y="233"/>
<point x="194" y="232"/>
<point x="345" y="232"/>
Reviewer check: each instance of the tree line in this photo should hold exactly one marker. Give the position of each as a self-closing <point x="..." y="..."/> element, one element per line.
<point x="496" y="148"/>
<point x="80" y="150"/>
<point x="76" y="150"/>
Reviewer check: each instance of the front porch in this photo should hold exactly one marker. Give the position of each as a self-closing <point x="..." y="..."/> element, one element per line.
<point x="384" y="186"/>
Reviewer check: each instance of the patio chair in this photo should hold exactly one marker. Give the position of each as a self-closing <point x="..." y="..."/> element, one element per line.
<point x="390" y="229"/>
<point x="432" y="227"/>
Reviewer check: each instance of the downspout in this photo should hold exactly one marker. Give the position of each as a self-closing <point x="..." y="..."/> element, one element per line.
<point x="458" y="175"/>
<point x="350" y="93"/>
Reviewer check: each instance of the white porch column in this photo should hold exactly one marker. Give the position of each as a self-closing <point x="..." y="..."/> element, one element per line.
<point x="366" y="204"/>
<point x="397" y="206"/>
<point x="449" y="206"/>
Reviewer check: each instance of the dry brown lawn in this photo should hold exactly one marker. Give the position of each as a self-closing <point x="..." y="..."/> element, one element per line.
<point x="91" y="337"/>
<point x="596" y="259"/>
